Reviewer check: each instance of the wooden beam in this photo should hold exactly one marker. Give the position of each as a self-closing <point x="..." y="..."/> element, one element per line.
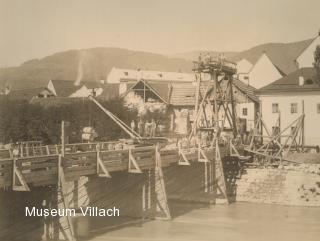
<point x="133" y="165"/>
<point x="18" y="175"/>
<point x="101" y="165"/>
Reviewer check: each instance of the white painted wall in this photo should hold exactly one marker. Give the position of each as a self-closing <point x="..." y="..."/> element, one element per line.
<point x="243" y="66"/>
<point x="82" y="92"/>
<point x="306" y="59"/>
<point x="312" y="118"/>
<point x="122" y="88"/>
<point x="250" y="114"/>
<point x="263" y="72"/>
<point x="51" y="88"/>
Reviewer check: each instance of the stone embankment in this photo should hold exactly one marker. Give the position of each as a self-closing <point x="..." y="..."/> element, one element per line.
<point x="288" y="185"/>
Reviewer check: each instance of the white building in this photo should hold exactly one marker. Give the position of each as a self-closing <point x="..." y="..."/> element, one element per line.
<point x="125" y="77"/>
<point x="273" y="61"/>
<point x="243" y="69"/>
<point x="306" y="59"/>
<point x="289" y="97"/>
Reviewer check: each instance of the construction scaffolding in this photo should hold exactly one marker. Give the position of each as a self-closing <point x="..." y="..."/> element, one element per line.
<point x="215" y="104"/>
<point x="214" y="112"/>
<point x="271" y="147"/>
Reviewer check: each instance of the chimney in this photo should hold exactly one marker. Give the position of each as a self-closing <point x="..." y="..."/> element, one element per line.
<point x="301" y="81"/>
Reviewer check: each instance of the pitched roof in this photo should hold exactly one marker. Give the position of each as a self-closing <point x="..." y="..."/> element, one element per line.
<point x="182" y="94"/>
<point x="64" y="88"/>
<point x="283" y="56"/>
<point x="25" y="94"/>
<point x="161" y="89"/>
<point x="248" y="90"/>
<point x="118" y="74"/>
<point x="91" y="84"/>
<point x="290" y="83"/>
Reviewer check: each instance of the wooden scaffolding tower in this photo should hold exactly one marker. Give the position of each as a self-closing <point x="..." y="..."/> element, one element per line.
<point x="214" y="112"/>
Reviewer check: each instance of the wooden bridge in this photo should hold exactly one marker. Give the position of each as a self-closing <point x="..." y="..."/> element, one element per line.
<point x="29" y="166"/>
<point x="39" y="165"/>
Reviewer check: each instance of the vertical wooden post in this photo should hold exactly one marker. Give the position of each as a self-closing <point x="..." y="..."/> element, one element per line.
<point x="160" y="190"/>
<point x="302" y="126"/>
<point x="149" y="188"/>
<point x="62" y="139"/>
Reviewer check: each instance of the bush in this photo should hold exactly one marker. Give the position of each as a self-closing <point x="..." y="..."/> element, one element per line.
<point x="21" y="121"/>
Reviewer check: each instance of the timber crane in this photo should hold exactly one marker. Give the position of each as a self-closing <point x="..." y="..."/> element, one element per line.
<point x="123" y="126"/>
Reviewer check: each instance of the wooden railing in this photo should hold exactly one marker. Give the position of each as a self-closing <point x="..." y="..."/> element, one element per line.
<point x="80" y="160"/>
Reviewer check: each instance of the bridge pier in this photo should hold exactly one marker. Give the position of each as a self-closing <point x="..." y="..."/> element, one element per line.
<point x="138" y="181"/>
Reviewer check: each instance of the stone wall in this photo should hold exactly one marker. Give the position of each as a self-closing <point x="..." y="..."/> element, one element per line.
<point x="290" y="185"/>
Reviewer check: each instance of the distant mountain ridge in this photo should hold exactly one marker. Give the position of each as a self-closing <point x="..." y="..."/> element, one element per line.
<point x="94" y="64"/>
<point x="193" y="55"/>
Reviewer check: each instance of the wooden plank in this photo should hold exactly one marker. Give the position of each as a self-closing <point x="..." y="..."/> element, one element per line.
<point x="67" y="163"/>
<point x="37" y="158"/>
<point x="39" y="173"/>
<point x="42" y="180"/>
<point x="79" y="168"/>
<point x="144" y="155"/>
<point x="38" y="166"/>
<point x="77" y="174"/>
<point x="79" y="154"/>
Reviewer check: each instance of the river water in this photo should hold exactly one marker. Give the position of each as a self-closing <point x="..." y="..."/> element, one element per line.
<point x="235" y="222"/>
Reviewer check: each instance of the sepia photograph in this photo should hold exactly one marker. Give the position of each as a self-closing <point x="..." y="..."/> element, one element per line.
<point x="159" y="120"/>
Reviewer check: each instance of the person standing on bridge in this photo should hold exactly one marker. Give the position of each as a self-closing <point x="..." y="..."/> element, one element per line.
<point x="133" y="125"/>
<point x="140" y="127"/>
<point x="153" y="128"/>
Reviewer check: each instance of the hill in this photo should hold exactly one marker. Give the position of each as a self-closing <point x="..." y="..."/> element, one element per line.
<point x="88" y="64"/>
<point x="282" y="55"/>
<point x="95" y="63"/>
<point x="193" y="55"/>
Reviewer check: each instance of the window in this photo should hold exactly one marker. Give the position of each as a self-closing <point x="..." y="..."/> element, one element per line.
<point x="293" y="129"/>
<point x="245" y="111"/>
<point x="318" y="108"/>
<point x="309" y="82"/>
<point x="275" y="108"/>
<point x="294" y="108"/>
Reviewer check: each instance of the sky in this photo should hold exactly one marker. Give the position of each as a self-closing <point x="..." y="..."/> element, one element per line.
<point x="37" y="28"/>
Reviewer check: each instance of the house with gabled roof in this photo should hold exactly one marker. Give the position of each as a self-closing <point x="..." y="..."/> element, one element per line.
<point x="29" y="94"/>
<point x="305" y="58"/>
<point x="263" y="72"/>
<point x="291" y="96"/>
<point x="273" y="61"/>
<point x="126" y="77"/>
<point x="63" y="88"/>
<point x="179" y="97"/>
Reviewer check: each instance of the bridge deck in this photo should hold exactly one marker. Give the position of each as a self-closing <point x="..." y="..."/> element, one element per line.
<point x="39" y="166"/>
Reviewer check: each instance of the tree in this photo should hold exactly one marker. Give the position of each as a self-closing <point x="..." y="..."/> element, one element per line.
<point x="317" y="61"/>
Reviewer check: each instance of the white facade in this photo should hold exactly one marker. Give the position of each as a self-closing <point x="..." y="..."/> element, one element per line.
<point x="306" y="58"/>
<point x="243" y="69"/>
<point x="263" y="72"/>
<point x="118" y="75"/>
<point x="309" y="101"/>
<point x="51" y="88"/>
<point x="82" y="92"/>
<point x="247" y="111"/>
